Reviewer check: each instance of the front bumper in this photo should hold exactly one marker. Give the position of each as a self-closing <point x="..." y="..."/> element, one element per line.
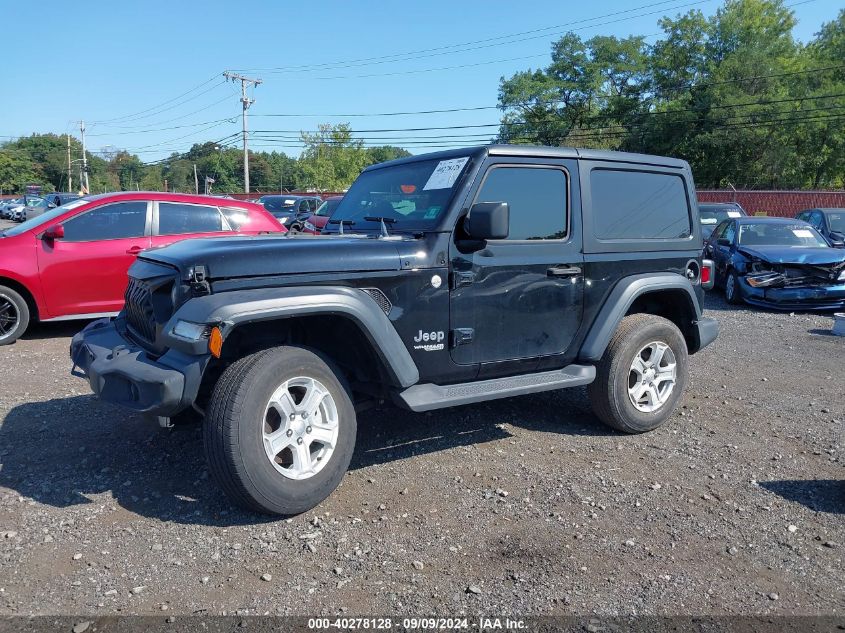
<point x="121" y="372"/>
<point x="830" y="297"/>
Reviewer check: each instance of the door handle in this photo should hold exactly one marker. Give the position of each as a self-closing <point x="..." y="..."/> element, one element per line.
<point x="134" y="250"/>
<point x="563" y="271"/>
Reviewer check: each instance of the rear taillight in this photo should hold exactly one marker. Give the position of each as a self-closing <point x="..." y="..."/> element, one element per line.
<point x="707" y="274"/>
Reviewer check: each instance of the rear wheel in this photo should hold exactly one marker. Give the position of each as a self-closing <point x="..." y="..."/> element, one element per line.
<point x="14" y="315"/>
<point x="642" y="374"/>
<point x="280" y="431"/>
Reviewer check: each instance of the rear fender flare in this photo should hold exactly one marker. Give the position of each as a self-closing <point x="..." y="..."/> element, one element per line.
<point x="231" y="309"/>
<point x="620" y="300"/>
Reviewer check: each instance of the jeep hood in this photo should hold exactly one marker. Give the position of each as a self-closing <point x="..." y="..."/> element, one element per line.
<point x="814" y="256"/>
<point x="230" y="257"/>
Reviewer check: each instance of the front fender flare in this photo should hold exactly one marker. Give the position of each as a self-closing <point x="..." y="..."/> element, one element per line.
<point x="231" y="309"/>
<point x="619" y="301"/>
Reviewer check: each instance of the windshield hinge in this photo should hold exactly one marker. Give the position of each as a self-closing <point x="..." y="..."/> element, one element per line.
<point x="199" y="281"/>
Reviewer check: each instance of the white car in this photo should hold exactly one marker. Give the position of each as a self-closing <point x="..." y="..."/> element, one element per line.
<point x="6" y="205"/>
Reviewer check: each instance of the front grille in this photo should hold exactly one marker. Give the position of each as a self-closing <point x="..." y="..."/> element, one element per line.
<point x="140" y="315"/>
<point x="380" y="298"/>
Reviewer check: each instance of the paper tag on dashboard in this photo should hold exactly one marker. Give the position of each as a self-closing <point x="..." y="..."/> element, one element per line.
<point x="802" y="233"/>
<point x="445" y="174"/>
<point x="734" y="214"/>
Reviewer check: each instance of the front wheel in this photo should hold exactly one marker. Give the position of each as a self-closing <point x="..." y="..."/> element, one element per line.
<point x="642" y="375"/>
<point x="14" y="315"/>
<point x="732" y="289"/>
<point x="280" y="431"/>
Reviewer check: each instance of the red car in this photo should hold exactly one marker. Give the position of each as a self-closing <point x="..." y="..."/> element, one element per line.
<point x="318" y="220"/>
<point x="71" y="262"/>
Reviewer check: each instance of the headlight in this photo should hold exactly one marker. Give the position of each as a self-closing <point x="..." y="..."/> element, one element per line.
<point x="841" y="276"/>
<point x="283" y="219"/>
<point x="190" y="331"/>
<point x="310" y="227"/>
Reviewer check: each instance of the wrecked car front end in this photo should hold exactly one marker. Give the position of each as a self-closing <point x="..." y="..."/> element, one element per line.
<point x="805" y="284"/>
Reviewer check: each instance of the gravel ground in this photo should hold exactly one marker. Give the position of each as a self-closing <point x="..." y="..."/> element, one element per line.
<point x="521" y="506"/>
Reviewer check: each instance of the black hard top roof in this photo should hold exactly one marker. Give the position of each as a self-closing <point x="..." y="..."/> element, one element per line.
<point x="538" y="151"/>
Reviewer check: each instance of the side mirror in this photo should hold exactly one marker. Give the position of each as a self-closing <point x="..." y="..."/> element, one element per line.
<point x="837" y="239"/>
<point x="54" y="232"/>
<point x="51" y="205"/>
<point x="723" y="241"/>
<point x="488" y="221"/>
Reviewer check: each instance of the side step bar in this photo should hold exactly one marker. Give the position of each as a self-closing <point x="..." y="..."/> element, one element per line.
<point x="425" y="397"/>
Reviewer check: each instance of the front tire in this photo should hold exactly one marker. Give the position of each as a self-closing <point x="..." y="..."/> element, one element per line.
<point x="280" y="431"/>
<point x="14" y="315"/>
<point x="732" y="295"/>
<point x="642" y="375"/>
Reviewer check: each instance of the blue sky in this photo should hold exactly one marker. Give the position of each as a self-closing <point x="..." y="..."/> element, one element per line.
<point x="144" y="75"/>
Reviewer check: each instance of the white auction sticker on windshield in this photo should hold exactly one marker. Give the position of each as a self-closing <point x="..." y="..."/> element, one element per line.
<point x="802" y="233"/>
<point x="446" y="173"/>
<point x="734" y="214"/>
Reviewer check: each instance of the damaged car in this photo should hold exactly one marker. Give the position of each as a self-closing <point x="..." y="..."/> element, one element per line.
<point x="779" y="263"/>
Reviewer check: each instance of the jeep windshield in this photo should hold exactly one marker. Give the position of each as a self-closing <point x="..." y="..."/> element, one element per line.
<point x="408" y="196"/>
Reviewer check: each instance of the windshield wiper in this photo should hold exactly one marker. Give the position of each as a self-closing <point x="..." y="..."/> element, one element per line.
<point x="384" y="222"/>
<point x="341" y="223"/>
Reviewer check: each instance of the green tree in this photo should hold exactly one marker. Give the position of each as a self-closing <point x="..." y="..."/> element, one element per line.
<point x="384" y="153"/>
<point x="734" y="94"/>
<point x="15" y="171"/>
<point x="332" y="158"/>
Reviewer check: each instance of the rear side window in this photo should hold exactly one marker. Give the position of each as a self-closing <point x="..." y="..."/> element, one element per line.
<point x="639" y="205"/>
<point x="236" y="217"/>
<point x="178" y="219"/>
<point x="110" y="222"/>
<point x="537" y="200"/>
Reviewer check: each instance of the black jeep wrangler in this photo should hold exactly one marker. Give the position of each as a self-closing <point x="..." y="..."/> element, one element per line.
<point x="441" y="280"/>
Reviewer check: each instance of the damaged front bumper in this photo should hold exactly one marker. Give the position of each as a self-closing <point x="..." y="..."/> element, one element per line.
<point x="123" y="373"/>
<point x="815" y="297"/>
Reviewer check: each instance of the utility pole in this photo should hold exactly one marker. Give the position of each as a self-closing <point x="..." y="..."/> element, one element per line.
<point x="196" y="181"/>
<point x="69" y="172"/>
<point x="246" y="101"/>
<point x="86" y="187"/>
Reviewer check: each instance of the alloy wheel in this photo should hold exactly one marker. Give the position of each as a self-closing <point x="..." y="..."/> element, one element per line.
<point x="652" y="377"/>
<point x="9" y="317"/>
<point x="730" y="287"/>
<point x="301" y="424"/>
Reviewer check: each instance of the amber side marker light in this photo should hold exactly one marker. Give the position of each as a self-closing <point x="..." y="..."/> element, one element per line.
<point x="215" y="342"/>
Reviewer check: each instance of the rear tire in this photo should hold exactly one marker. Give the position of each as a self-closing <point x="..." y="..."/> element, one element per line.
<point x="254" y="413"/>
<point x="14" y="315"/>
<point x="631" y="393"/>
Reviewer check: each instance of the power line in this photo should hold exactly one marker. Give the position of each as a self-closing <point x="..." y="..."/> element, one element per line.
<point x="164" y="129"/>
<point x="448" y="49"/>
<point x="178" y="118"/>
<point x="497" y="107"/>
<point x="129" y="116"/>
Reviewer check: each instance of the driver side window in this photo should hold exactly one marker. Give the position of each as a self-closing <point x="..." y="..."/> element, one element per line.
<point x="110" y="222"/>
<point x="537" y="197"/>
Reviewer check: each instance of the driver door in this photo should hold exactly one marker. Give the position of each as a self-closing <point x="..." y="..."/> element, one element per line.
<point x="85" y="272"/>
<point x="516" y="300"/>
